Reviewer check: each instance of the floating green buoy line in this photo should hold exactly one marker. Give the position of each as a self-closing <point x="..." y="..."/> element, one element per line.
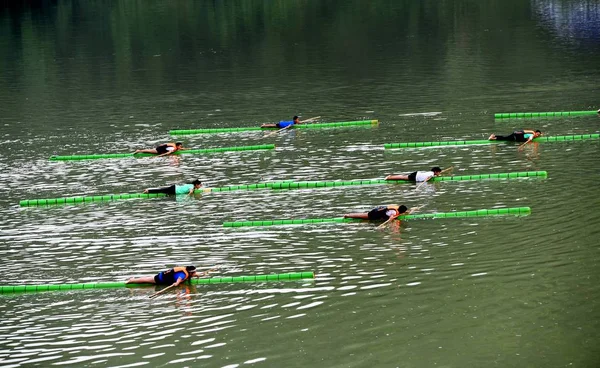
<point x="530" y="115"/>
<point x="276" y="185"/>
<point x="182" y="152"/>
<point x="560" y="138"/>
<point x="329" y="184"/>
<point x="476" y="213"/>
<point x="116" y="197"/>
<point x="104" y="285"/>
<point x="295" y="126"/>
<point x="90" y="199"/>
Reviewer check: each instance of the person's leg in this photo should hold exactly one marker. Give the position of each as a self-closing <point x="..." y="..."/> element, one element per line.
<point x="150" y="150"/>
<point x="511" y="137"/>
<point x="357" y="215"/>
<point x="141" y="280"/>
<point x="269" y="126"/>
<point x="166" y="190"/>
<point x="397" y="177"/>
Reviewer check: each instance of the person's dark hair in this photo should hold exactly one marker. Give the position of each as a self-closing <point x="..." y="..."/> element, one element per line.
<point x="436" y="169"/>
<point x="190" y="268"/>
<point x="402" y="209"/>
<point x="295" y="117"/>
<point x="538" y="131"/>
<point x="196" y="182"/>
<point x="177" y="144"/>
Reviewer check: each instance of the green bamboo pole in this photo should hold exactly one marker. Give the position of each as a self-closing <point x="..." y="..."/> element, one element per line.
<point x="115" y="197"/>
<point x="575" y="137"/>
<point x="104" y="285"/>
<point x="290" y="184"/>
<point x="230" y="188"/>
<point x="243" y="129"/>
<point x="475" y="213"/>
<point x="509" y="175"/>
<point x="529" y="115"/>
<point x="90" y="199"/>
<point x="182" y="152"/>
<point x="560" y="138"/>
<point x="329" y="184"/>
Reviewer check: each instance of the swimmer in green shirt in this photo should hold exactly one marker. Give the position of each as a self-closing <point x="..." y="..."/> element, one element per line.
<point x="176" y="189"/>
<point x="523" y="135"/>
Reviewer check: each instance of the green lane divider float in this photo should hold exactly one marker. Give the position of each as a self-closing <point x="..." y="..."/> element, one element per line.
<point x="90" y="199"/>
<point x="104" y="285"/>
<point x="116" y="197"/>
<point x="476" y="213"/>
<point x="560" y="138"/>
<point x="290" y="184"/>
<point x="329" y="184"/>
<point x="299" y="126"/>
<point x="183" y="152"/>
<point x="528" y="115"/>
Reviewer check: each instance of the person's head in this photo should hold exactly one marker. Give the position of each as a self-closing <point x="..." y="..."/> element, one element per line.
<point x="178" y="144"/>
<point x="436" y="170"/>
<point x="295" y="119"/>
<point x="538" y="133"/>
<point x="190" y="269"/>
<point x="197" y="183"/>
<point x="402" y="209"/>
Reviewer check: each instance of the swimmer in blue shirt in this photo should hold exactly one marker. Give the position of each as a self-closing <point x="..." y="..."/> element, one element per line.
<point x="283" y="124"/>
<point x="176" y="189"/>
<point x="173" y="276"/>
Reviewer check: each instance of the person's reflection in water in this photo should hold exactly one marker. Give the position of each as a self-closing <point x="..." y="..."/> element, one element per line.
<point x="184" y="298"/>
<point x="531" y="152"/>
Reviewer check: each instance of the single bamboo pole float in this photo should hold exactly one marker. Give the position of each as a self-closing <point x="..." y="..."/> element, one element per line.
<point x="290" y="184"/>
<point x="181" y="152"/>
<point x="560" y="138"/>
<point x="115" y="197"/>
<point x="526" y="115"/>
<point x="90" y="199"/>
<point x="295" y="126"/>
<point x="329" y="184"/>
<point x="475" y="213"/>
<point x="104" y="285"/>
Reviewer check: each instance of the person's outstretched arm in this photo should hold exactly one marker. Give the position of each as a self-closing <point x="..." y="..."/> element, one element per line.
<point x="178" y="281"/>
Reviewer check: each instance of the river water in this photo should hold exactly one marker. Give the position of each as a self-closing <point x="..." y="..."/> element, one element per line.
<point x="95" y="76"/>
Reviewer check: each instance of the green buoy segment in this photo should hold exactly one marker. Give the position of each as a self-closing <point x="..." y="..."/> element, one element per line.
<point x="329" y="184"/>
<point x="103" y="285"/>
<point x="90" y="199"/>
<point x="529" y="115"/>
<point x="298" y="126"/>
<point x="509" y="175"/>
<point x="275" y="185"/>
<point x="475" y="213"/>
<point x="115" y="197"/>
<point x="560" y="138"/>
<point x="182" y="152"/>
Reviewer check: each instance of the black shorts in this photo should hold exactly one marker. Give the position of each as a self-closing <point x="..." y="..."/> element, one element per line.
<point x="170" y="190"/>
<point x="162" y="149"/>
<point x="378" y="213"/>
<point x="518" y="136"/>
<point x="412" y="176"/>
